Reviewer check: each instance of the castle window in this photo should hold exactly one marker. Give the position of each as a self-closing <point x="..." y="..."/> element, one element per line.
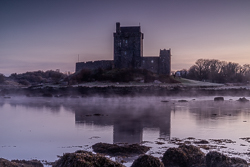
<point x="125" y="53"/>
<point x="152" y="61"/>
<point x="119" y="43"/>
<point x="125" y="42"/>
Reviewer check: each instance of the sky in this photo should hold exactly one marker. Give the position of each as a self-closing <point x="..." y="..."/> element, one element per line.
<point x="50" y="34"/>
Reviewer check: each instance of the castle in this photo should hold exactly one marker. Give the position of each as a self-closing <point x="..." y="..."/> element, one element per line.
<point x="128" y="53"/>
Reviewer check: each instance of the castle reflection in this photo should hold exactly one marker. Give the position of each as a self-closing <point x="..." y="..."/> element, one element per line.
<point x="128" y="122"/>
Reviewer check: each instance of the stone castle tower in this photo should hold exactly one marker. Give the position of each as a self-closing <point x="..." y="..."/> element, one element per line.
<point x="165" y="62"/>
<point x="128" y="47"/>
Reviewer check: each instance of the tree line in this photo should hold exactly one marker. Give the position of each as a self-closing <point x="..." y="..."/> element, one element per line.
<point x="217" y="71"/>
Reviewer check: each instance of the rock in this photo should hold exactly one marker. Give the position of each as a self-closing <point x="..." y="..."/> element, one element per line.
<point x="31" y="163"/>
<point x="117" y="150"/>
<point x="243" y="99"/>
<point x="184" y="156"/>
<point x="219" y="99"/>
<point x="20" y="163"/>
<point x="201" y="142"/>
<point x="216" y="159"/>
<point x="85" y="159"/>
<point x="147" y="161"/>
<point x="6" y="163"/>
<point x="182" y="101"/>
<point x="174" y="157"/>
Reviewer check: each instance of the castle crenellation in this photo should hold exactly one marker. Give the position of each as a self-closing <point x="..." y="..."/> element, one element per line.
<point x="128" y="53"/>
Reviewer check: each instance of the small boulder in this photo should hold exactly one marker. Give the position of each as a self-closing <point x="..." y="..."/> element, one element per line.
<point x="147" y="161"/>
<point x="85" y="159"/>
<point x="219" y="99"/>
<point x="183" y="156"/>
<point x="216" y="159"/>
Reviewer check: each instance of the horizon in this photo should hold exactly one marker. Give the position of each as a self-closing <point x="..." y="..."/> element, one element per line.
<point x="49" y="35"/>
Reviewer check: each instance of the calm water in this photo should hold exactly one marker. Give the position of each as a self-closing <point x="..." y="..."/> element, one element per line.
<point x="42" y="128"/>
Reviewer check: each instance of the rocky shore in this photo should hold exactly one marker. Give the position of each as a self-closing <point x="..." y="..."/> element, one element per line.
<point x="122" y="90"/>
<point x="183" y="156"/>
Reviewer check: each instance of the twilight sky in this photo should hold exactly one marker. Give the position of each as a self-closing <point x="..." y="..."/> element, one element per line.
<point x="49" y="34"/>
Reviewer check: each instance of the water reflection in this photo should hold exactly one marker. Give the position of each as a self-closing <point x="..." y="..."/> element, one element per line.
<point x="128" y="122"/>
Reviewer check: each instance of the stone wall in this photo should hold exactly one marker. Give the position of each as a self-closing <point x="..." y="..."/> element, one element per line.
<point x="92" y="65"/>
<point x="151" y="64"/>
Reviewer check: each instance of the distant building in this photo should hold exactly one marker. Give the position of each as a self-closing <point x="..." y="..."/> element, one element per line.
<point x="128" y="53"/>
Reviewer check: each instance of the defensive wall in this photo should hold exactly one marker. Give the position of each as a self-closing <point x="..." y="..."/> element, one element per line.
<point x="92" y="65"/>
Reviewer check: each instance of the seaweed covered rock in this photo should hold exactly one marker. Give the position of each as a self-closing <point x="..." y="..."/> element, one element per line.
<point x="119" y="150"/>
<point x="147" y="161"/>
<point x="31" y="163"/>
<point x="85" y="159"/>
<point x="183" y="156"/>
<point x="216" y="159"/>
<point x="20" y="163"/>
<point x="6" y="163"/>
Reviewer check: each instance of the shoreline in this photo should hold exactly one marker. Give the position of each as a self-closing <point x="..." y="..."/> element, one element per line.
<point x="124" y="89"/>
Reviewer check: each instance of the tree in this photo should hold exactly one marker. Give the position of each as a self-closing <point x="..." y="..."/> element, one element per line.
<point x="2" y="78"/>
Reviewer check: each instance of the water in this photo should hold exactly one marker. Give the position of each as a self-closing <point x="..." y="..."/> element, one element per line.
<point x="43" y="128"/>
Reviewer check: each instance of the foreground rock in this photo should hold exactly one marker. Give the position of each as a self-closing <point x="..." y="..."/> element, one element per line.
<point x="147" y="161"/>
<point x="85" y="159"/>
<point x="20" y="163"/>
<point x="216" y="159"/>
<point x="184" y="156"/>
<point x="117" y="150"/>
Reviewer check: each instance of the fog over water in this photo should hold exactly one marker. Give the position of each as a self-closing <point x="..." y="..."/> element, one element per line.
<point x="42" y="128"/>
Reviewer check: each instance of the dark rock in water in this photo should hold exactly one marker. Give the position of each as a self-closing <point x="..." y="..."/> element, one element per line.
<point x="85" y="159"/>
<point x="97" y="114"/>
<point x="184" y="156"/>
<point x="243" y="99"/>
<point x="119" y="150"/>
<point x="164" y="101"/>
<point x="201" y="142"/>
<point x="219" y="99"/>
<point x="147" y="161"/>
<point x="216" y="159"/>
<point x="182" y="101"/>
<point x="20" y="163"/>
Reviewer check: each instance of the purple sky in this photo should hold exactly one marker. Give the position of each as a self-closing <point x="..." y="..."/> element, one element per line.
<point x="49" y="34"/>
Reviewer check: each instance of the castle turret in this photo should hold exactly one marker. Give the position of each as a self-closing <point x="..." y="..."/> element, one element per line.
<point x="165" y="62"/>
